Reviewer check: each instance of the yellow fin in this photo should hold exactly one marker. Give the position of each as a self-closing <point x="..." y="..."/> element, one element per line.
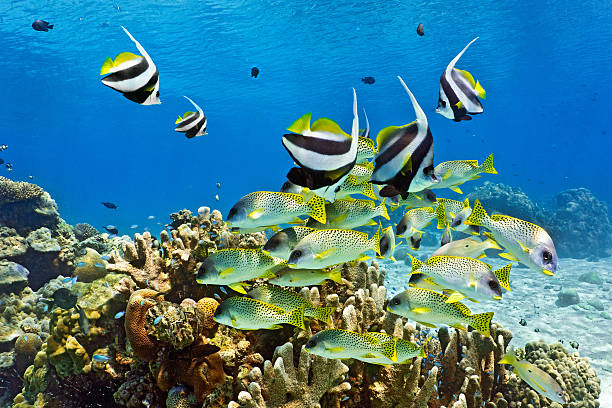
<point x="106" y="66"/>
<point x="467" y="76"/>
<point x="301" y="125"/>
<point x="523" y="247"/>
<point x="503" y="276"/>
<point x="335" y="349"/>
<point x="455" y="297"/>
<point x="327" y="253"/>
<point x="483" y="255"/>
<point x="547" y="272"/>
<point x="316" y="209"/>
<point x="384" y="134"/>
<point x="480" y="90"/>
<point x="124" y="57"/>
<point x="362" y="257"/>
<point x="336" y="275"/>
<point x="226" y="272"/>
<point x="456" y="189"/>
<point x="459" y="104"/>
<point x="239" y="287"/>
<point x="459" y="327"/>
<point x="433" y="326"/>
<point x="327" y="125"/>
<point x="255" y="214"/>
<point x="420" y="310"/>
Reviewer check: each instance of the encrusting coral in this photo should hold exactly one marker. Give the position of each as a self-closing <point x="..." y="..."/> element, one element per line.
<point x="135" y="319"/>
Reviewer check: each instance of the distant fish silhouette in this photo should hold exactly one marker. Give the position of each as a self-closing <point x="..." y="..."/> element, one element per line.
<point x="368" y="80"/>
<point x="421" y="30"/>
<point x="112" y="229"/>
<point x="254" y="72"/>
<point x="112" y="206"/>
<point x="1" y="161"/>
<point x="42" y="25"/>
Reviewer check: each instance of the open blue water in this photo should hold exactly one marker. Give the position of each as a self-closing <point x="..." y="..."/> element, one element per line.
<point x="545" y="67"/>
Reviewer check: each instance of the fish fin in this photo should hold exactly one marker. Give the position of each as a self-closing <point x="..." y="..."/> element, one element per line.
<point x="433" y="326"/>
<point x="482" y="323"/>
<point x="341" y="218"/>
<point x="301" y="125"/>
<point x="483" y="255"/>
<point x="369" y="355"/>
<point x="459" y="326"/>
<point x="523" y="247"/>
<point x="124" y="57"/>
<point x="107" y="66"/>
<point x="335" y="349"/>
<point x="440" y="213"/>
<point x="323" y="314"/>
<point x="491" y="242"/>
<point x="363" y="257"/>
<point x="140" y="47"/>
<point x="487" y="165"/>
<point x="327" y="253"/>
<point x="316" y="206"/>
<point x="371" y="222"/>
<point x="480" y="90"/>
<point x="269" y="274"/>
<point x="475" y="178"/>
<point x="467" y="76"/>
<point x="275" y="327"/>
<point x="459" y="105"/>
<point x="255" y="214"/>
<point x="385" y="134"/>
<point x="463" y="309"/>
<point x="446" y="236"/>
<point x="416" y="264"/>
<point x="456" y="189"/>
<point x="478" y="216"/>
<point x="466" y="202"/>
<point x="389" y="349"/>
<point x="336" y="275"/>
<point x="455" y="297"/>
<point x="547" y="272"/>
<point x="239" y="287"/>
<point x="383" y="211"/>
<point x="296" y="317"/>
<point x="447" y="174"/>
<point x="420" y="310"/>
<point x="503" y="276"/>
<point x="296" y="221"/>
<point x="226" y="271"/>
<point x="473" y="300"/>
<point x="178" y="120"/>
<point x="421" y="119"/>
<point x="508" y="358"/>
<point x="327" y="125"/>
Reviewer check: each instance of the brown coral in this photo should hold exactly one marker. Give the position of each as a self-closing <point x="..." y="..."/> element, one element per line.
<point x="14" y="191"/>
<point x="208" y="307"/>
<point x="26" y="347"/>
<point x="135" y="318"/>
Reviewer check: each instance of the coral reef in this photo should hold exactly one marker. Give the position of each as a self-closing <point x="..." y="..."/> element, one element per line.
<point x="13" y="277"/>
<point x="83" y="231"/>
<point x="503" y="199"/>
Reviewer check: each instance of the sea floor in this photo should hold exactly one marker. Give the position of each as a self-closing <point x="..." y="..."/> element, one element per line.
<point x="533" y="298"/>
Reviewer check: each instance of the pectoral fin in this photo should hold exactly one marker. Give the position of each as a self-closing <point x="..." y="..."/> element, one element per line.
<point x="456" y="189"/>
<point x="226" y="272"/>
<point x="508" y="256"/>
<point x="433" y="326"/>
<point x="327" y="253"/>
<point x="255" y="214"/>
<point x="421" y="310"/>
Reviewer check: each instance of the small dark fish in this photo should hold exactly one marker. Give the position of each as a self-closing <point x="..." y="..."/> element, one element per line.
<point x="574" y="344"/>
<point x="536" y="330"/>
<point x="64" y="298"/>
<point x="42" y="25"/>
<point x="254" y="72"/>
<point x="9" y="166"/>
<point x="1" y="161"/>
<point x="3" y="147"/>
<point x="523" y="322"/>
<point x="112" y="206"/>
<point x="112" y="229"/>
<point x="368" y="80"/>
<point x="421" y="30"/>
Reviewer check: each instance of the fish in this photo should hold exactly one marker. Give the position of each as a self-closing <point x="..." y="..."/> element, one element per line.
<point x="112" y="206"/>
<point x="111" y="229"/>
<point x="105" y="257"/>
<point x="151" y="217"/>
<point x="1" y="161"/>
<point x="232" y="266"/>
<point x="100" y="358"/>
<point x="466" y="277"/>
<point x="387" y="244"/>
<point x="329" y="247"/>
<point x="261" y="210"/>
<point x="365" y="133"/>
<point x="192" y="124"/>
<point x="405" y="350"/>
<point x="366" y="149"/>
<point x="368" y="80"/>
<point x="349" y="213"/>
<point x="459" y="93"/>
<point x="404" y="162"/>
<point x="120" y="314"/>
<point x="133" y="226"/>
<point x="42" y="25"/>
<point x="99" y="265"/>
<point x="420" y="30"/>
<point x="340" y="344"/>
<point x="451" y="174"/>
<point x="362" y="171"/>
<point x="414" y="221"/>
<point x="467" y="247"/>
<point x="81" y="264"/>
<point x="351" y="185"/>
<point x="83" y="321"/>
<point x="288" y="300"/>
<point x="457" y="212"/>
<point x="66" y="279"/>
<point x="218" y="185"/>
<point x="254" y="72"/>
<point x="412" y="200"/>
<point x="64" y="298"/>
<point x="324" y="153"/>
<point x="21" y="270"/>
<point x="537" y="378"/>
<point x="135" y="77"/>
<point x="281" y="244"/>
<point x="3" y="147"/>
<point x="157" y="320"/>
<point x="430" y="308"/>
<point x="250" y="314"/>
<point x="305" y="277"/>
<point x="524" y="242"/>
<point x="574" y="344"/>
<point x="523" y="322"/>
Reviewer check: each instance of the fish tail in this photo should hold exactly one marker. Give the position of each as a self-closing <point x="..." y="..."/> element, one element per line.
<point x="503" y="276"/>
<point x="440" y="215"/>
<point x="367" y="189"/>
<point x="389" y="349"/>
<point x="323" y="314"/>
<point x="383" y="211"/>
<point x="478" y="216"/>
<point x="487" y="166"/>
<point x="416" y="264"/>
<point x="336" y="275"/>
<point x="482" y="322"/>
<point x="509" y="357"/>
<point x="296" y="317"/>
<point x="316" y="207"/>
<point x="50" y="26"/>
<point x="376" y="240"/>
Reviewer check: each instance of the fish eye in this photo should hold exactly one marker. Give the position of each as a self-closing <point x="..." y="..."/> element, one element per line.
<point x="443" y="103"/>
<point x="493" y="285"/>
<point x="547" y="256"/>
<point x="395" y="301"/>
<point x="297" y="253"/>
<point x="157" y="93"/>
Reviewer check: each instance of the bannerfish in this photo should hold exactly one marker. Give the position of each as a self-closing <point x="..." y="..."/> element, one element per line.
<point x="281" y="244"/>
<point x="324" y="152"/>
<point x="404" y="162"/>
<point x="420" y="30"/>
<point x="459" y="92"/>
<point x="250" y="314"/>
<point x="265" y="209"/>
<point x="192" y="124"/>
<point x="254" y="72"/>
<point x="365" y="133"/>
<point x="412" y="200"/>
<point x="112" y="206"/>
<point x="288" y="300"/>
<point x="111" y="229"/>
<point x="341" y="344"/>
<point x="349" y="213"/>
<point x="232" y="266"/>
<point x="368" y="80"/>
<point x="456" y="214"/>
<point x="414" y="221"/>
<point x="537" y="378"/>
<point x="83" y="321"/>
<point x="466" y="277"/>
<point x="387" y="244"/>
<point x="351" y="185"/>
<point x="451" y="174"/>
<point x="467" y="247"/>
<point x="405" y="350"/>
<point x="324" y="248"/>
<point x="362" y="171"/>
<point x="134" y="76"/>
<point x="305" y="277"/>
<point x="42" y="25"/>
<point x="525" y="242"/>
<point x="430" y="308"/>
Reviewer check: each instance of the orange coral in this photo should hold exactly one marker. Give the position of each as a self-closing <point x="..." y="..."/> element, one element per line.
<point x="208" y="307"/>
<point x="135" y="316"/>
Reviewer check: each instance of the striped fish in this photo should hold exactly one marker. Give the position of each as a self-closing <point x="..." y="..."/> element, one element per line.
<point x="192" y="124"/>
<point x="135" y="76"/>
<point x="459" y="92"/>
<point x="405" y="155"/>
<point x="325" y="154"/>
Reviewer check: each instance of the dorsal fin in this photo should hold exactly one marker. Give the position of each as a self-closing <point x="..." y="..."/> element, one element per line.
<point x="421" y="118"/>
<point x="451" y="65"/>
<point x="385" y="134"/>
<point x="140" y="47"/>
<point x="301" y="125"/>
<point x="327" y="125"/>
<point x="194" y="104"/>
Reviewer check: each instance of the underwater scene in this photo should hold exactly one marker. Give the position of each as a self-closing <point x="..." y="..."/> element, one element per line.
<point x="310" y="203"/>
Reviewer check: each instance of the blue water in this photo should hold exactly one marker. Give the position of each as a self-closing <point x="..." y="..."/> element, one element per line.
<point x="545" y="67"/>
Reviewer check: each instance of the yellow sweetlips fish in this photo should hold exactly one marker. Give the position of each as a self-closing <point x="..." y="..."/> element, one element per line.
<point x="525" y="242"/>
<point x="405" y="350"/>
<point x="340" y="344"/>
<point x="233" y="266"/>
<point x="350" y="213"/>
<point x="305" y="277"/>
<point x="467" y="277"/>
<point x="288" y="300"/>
<point x="281" y="244"/>
<point x="329" y="247"/>
<point x="261" y="210"/>
<point x="453" y="173"/>
<point x="538" y="379"/>
<point x="250" y="314"/>
<point x="415" y="220"/>
<point x="430" y="308"/>
<point x="467" y="247"/>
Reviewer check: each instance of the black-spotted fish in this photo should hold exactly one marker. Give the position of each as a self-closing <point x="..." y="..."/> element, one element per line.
<point x="324" y="248"/>
<point x="466" y="277"/>
<point x="306" y="277"/>
<point x="352" y="185"/>
<point x="135" y="76"/>
<point x="430" y="309"/>
<point x="524" y="242"/>
<point x="250" y="314"/>
<point x="324" y="152"/>
<point x="362" y="171"/>
<point x="404" y="162"/>
<point x="451" y="174"/>
<point x="537" y="378"/>
<point x="350" y="213"/>
<point x="192" y="124"/>
<point x="422" y="199"/>
<point x="336" y="343"/>
<point x="387" y="244"/>
<point x="265" y="209"/>
<point x="288" y="300"/>
<point x="456" y="214"/>
<point x="281" y="244"/>
<point x="459" y="92"/>
<point x="467" y="247"/>
<point x="406" y="350"/>
<point x="414" y="221"/>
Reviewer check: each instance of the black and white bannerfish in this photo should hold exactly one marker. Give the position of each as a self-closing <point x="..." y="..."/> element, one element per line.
<point x="324" y="152"/>
<point x="192" y="124"/>
<point x="405" y="155"/>
<point x="135" y="76"/>
<point x="459" y="92"/>
<point x="365" y="132"/>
